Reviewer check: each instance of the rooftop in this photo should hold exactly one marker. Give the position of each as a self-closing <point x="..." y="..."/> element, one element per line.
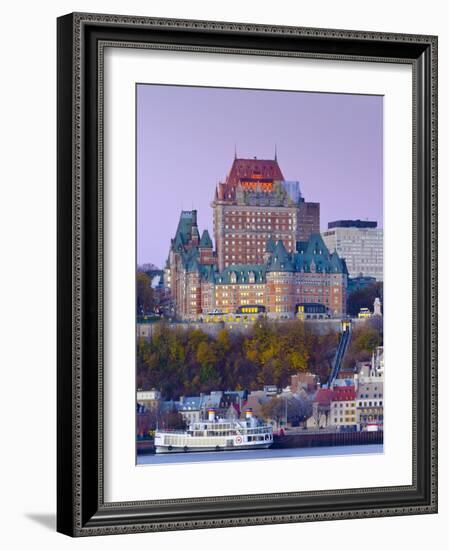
<point x="361" y="224"/>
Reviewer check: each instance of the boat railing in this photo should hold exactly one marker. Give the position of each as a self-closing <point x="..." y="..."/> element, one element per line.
<point x="218" y="431"/>
<point x="170" y="431"/>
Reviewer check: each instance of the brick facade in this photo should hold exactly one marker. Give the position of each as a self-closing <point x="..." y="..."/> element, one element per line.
<point x="268" y="250"/>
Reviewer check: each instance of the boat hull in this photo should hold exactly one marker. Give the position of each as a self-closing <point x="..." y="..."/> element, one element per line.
<point x="166" y="450"/>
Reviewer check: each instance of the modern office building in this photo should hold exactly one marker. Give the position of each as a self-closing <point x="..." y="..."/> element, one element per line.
<point x="360" y="243"/>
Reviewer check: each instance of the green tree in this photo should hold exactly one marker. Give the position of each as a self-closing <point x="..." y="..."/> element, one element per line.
<point x="364" y="297"/>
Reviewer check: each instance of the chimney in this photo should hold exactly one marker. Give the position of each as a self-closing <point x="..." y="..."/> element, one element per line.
<point x="195" y="234"/>
<point x="249" y="414"/>
<point x="211" y="415"/>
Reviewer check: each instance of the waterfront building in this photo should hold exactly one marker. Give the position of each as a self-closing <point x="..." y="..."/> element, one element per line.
<point x="370" y="405"/>
<point x="360" y="243"/>
<point x="190" y="408"/>
<point x="321" y="407"/>
<point x="224" y="403"/>
<point x="372" y="371"/>
<point x="255" y="401"/>
<point x="255" y="203"/>
<point x="148" y="399"/>
<point x="303" y="381"/>
<point x="343" y="407"/>
<point x="309" y="274"/>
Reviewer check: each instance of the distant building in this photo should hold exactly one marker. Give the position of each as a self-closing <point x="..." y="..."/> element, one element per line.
<point x="190" y="408"/>
<point x="372" y="371"/>
<point x="361" y="224"/>
<point x="149" y="398"/>
<point x="321" y="408"/>
<point x="360" y="243"/>
<point x="303" y="381"/>
<point x="370" y="405"/>
<point x="255" y="401"/>
<point x="370" y="399"/>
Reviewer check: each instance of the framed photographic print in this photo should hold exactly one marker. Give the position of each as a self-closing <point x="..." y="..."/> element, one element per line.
<point x="247" y="282"/>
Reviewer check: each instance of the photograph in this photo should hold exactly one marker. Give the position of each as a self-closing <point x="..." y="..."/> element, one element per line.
<point x="247" y="238"/>
<point x="259" y="274"/>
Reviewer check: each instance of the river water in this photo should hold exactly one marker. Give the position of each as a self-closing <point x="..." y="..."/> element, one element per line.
<point x="220" y="456"/>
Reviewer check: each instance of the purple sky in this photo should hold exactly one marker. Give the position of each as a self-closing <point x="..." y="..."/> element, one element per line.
<point x="331" y="143"/>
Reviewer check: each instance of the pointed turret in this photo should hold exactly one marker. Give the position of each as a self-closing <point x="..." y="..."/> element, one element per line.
<point x="269" y="249"/>
<point x="280" y="259"/>
<point x="271" y="245"/>
<point x="205" y="241"/>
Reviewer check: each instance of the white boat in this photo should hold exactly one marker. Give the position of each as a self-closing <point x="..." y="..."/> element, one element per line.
<point x="216" y="434"/>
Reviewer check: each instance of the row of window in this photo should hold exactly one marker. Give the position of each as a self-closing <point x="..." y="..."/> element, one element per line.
<point x="257" y="213"/>
<point x="370" y="404"/>
<point x="254" y="226"/>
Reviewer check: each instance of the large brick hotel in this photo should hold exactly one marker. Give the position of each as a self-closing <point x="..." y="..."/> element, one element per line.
<point x="268" y="250"/>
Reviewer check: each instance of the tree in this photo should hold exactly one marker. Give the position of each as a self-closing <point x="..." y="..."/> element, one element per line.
<point x="187" y="361"/>
<point x="364" y="297"/>
<point x="294" y="409"/>
<point x="172" y="420"/>
<point x="274" y="409"/>
<point x="366" y="337"/>
<point x="148" y="420"/>
<point x="299" y="409"/>
<point x="145" y="294"/>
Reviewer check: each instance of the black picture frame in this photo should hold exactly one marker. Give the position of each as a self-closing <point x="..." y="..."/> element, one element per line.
<point x="81" y="509"/>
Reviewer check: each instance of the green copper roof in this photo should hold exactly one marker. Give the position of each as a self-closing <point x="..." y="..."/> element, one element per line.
<point x="271" y="245"/>
<point x="206" y="241"/>
<point x="242" y="274"/>
<point x="208" y="273"/>
<point x="313" y="255"/>
<point x="280" y="260"/>
<point x="186" y="225"/>
<point x="310" y="256"/>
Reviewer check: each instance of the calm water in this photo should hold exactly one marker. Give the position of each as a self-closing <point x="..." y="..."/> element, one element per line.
<point x="259" y="454"/>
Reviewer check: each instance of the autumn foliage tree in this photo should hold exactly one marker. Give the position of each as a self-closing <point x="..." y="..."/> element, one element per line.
<point x="180" y="361"/>
<point x="366" y="337"/>
<point x="145" y="294"/>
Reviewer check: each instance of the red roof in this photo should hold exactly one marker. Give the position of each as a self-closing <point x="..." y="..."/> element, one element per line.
<point x="324" y="396"/>
<point x="249" y="170"/>
<point x="254" y="168"/>
<point x="344" y="393"/>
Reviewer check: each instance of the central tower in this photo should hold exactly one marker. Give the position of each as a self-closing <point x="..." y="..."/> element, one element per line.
<point x="255" y="203"/>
